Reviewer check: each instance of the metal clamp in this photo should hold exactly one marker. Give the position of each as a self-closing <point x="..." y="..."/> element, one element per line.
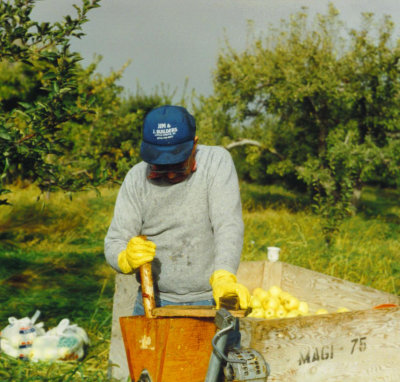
<point x="218" y="351"/>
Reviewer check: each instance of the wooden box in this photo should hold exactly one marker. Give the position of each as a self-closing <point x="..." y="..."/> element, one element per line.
<point x="360" y="345"/>
<point x="168" y="348"/>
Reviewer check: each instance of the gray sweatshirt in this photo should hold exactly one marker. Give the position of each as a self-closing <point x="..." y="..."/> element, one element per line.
<point x="197" y="224"/>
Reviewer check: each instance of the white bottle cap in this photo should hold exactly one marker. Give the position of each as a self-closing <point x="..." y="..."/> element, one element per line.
<point x="273" y="253"/>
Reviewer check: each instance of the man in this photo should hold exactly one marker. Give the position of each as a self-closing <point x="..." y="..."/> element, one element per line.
<point x="180" y="208"/>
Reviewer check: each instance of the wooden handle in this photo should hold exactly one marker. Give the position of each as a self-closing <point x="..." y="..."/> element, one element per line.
<point x="146" y="280"/>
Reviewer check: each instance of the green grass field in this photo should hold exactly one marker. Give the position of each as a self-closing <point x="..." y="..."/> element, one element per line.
<point x="51" y="251"/>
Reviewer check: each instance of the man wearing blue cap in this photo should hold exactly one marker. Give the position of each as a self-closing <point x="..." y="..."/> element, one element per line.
<point x="180" y="208"/>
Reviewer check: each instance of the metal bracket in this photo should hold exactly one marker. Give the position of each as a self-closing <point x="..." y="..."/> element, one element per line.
<point x="225" y="322"/>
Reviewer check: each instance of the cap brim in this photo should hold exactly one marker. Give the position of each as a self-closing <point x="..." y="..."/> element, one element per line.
<point x="156" y="154"/>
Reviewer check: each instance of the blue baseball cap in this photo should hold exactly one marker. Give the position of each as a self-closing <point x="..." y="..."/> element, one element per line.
<point x="168" y="135"/>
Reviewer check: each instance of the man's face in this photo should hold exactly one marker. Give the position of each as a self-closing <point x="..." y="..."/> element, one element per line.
<point x="174" y="173"/>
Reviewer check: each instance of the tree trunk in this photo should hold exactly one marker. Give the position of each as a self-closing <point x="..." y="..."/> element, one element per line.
<point x="357" y="190"/>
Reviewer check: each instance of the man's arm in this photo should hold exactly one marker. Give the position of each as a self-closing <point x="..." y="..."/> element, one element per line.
<point x="225" y="211"/>
<point x="126" y="222"/>
<point x="226" y="218"/>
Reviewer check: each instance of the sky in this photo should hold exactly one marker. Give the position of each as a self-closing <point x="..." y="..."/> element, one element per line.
<point x="171" y="42"/>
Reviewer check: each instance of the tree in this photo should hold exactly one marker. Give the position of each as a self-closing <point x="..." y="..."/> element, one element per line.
<point x="31" y="129"/>
<point x="323" y="103"/>
<point x="109" y="138"/>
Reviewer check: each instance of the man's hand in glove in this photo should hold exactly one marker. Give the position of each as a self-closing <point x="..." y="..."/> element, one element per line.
<point x="138" y="252"/>
<point x="224" y="284"/>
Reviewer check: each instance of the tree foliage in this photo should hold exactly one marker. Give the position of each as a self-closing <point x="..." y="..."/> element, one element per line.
<point x="62" y="125"/>
<point x="31" y="125"/>
<point x="322" y="101"/>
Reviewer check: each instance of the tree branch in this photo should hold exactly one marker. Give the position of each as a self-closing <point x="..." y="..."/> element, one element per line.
<point x="25" y="138"/>
<point x="243" y="142"/>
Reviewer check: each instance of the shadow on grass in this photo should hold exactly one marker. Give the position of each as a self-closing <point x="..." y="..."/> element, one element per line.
<point x="382" y="204"/>
<point x="256" y="197"/>
<point x="66" y="287"/>
<point x="375" y="203"/>
<point x="28" y="223"/>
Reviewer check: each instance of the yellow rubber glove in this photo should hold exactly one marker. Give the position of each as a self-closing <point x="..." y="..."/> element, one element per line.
<point x="138" y="252"/>
<point x="224" y="284"/>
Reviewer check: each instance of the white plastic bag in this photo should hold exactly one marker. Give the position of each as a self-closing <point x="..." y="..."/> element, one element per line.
<point x="17" y="338"/>
<point x="64" y="342"/>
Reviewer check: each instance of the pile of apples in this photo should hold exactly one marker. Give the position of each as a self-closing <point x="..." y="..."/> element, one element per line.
<point x="276" y="303"/>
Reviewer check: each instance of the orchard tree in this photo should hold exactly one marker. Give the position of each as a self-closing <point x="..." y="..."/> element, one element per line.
<point x="31" y="127"/>
<point x="109" y="137"/>
<point x="321" y="103"/>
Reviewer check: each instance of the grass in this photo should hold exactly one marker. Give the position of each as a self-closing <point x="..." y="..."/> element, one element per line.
<point x="51" y="252"/>
<point x="366" y="250"/>
<point x="52" y="260"/>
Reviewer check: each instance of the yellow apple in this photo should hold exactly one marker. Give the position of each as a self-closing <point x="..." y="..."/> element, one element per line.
<point x="284" y="297"/>
<point x="269" y="313"/>
<point x="257" y="313"/>
<point x="262" y="294"/>
<point x="303" y="308"/>
<point x="270" y="303"/>
<point x="291" y="303"/>
<point x="280" y="312"/>
<point x="255" y="302"/>
<point x="274" y="291"/>
<point x="293" y="313"/>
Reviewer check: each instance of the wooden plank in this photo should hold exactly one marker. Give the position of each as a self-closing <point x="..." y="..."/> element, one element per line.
<point x="251" y="273"/>
<point x="170" y="349"/>
<point x="124" y="297"/>
<point x="353" y="347"/>
<point x="188" y="355"/>
<point x="191" y="311"/>
<point x="272" y="274"/>
<point x="144" y="339"/>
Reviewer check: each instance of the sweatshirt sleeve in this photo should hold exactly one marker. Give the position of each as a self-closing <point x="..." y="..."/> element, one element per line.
<point x="126" y="222"/>
<point x="225" y="212"/>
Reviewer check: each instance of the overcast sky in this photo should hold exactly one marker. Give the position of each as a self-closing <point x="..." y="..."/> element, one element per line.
<point x="169" y="41"/>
